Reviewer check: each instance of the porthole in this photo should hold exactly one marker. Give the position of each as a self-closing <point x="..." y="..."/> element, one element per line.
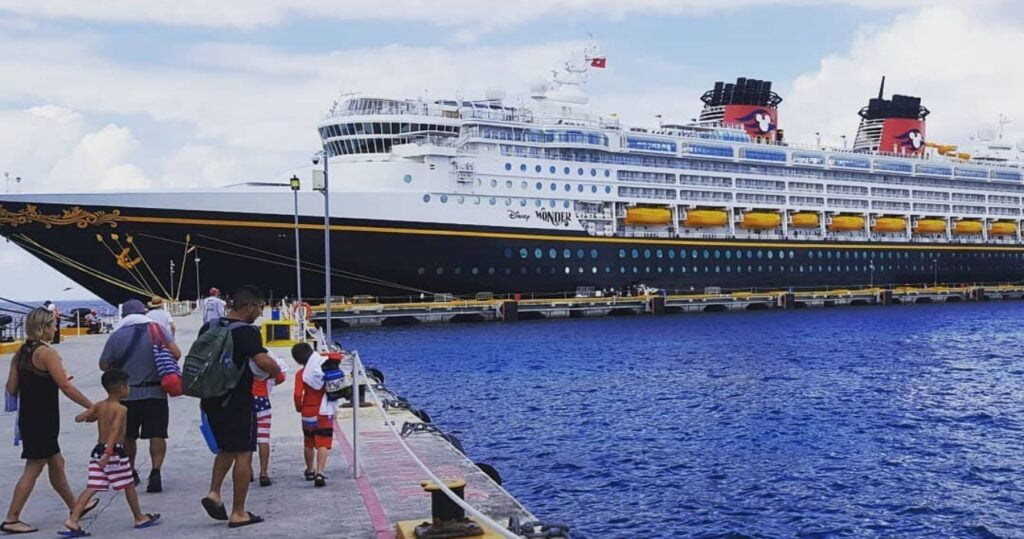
<point x="554" y="186"/>
<point x="693" y="254"/>
<point x="476" y="200"/>
<point x="493" y="201"/>
<point x="607" y="173"/>
<point x="622" y="253"/>
<point x="407" y="178"/>
<point x="522" y="202"/>
<point x="522" y="168"/>
<point x="552" y="169"/>
<point x="551" y="203"/>
<point x="565" y="204"/>
<point x="671" y="254"/>
<point x="494" y="183"/>
<point x="770" y="255"/>
<point x="537" y="203"/>
<point x="439" y="271"/>
<point x="579" y="171"/>
<point x="508" y="252"/>
<point x="566" y="253"/>
<point x="508" y="166"/>
<point x="580" y="187"/>
<point x="540" y="186"/>
<point x="523" y="253"/>
<point x="635" y="253"/>
<point x="537" y="169"/>
<point x="508" y="201"/>
<point x="508" y="184"/>
<point x="508" y="271"/>
<point x="682" y="253"/>
<point x="565" y="170"/>
<point x="567" y="270"/>
<point x="607" y="189"/>
<point x="444" y="199"/>
<point x="462" y="199"/>
<point x="538" y="253"/>
<point x="458" y="270"/>
<point x="647" y="253"/>
<point x="552" y="253"/>
<point x="523" y="185"/>
<point x="707" y="255"/>
<point x="593" y="172"/>
<point x="728" y="254"/>
<point x="718" y="254"/>
<point x="421" y="271"/>
<point x="593" y="188"/>
<point x="568" y="188"/>
<point x="474" y="271"/>
<point x="426" y="198"/>
<point x="659" y="253"/>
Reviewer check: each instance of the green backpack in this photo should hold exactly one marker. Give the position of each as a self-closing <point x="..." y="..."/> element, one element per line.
<point x="209" y="370"/>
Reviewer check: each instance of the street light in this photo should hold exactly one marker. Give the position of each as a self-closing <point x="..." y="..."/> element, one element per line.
<point x="198" y="296"/>
<point x="294" y="183"/>
<point x="172" y="279"/>
<point x="327" y="241"/>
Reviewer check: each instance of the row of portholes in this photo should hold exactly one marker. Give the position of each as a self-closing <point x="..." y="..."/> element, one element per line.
<point x="580" y="188"/>
<point x="538" y="253"/>
<point x="696" y="253"/>
<point x="493" y="201"/>
<point x="750" y="268"/>
<point x="553" y="170"/>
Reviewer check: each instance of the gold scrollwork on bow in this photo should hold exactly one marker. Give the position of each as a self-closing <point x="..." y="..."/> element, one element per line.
<point x="72" y="216"/>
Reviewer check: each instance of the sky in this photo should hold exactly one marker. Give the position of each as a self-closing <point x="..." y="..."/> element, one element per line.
<point x="121" y="94"/>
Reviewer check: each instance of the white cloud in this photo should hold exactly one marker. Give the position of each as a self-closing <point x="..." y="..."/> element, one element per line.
<point x="471" y="14"/>
<point x="957" y="58"/>
<point x="101" y="160"/>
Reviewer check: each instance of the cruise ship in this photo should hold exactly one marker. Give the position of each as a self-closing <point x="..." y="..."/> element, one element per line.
<point x="457" y="196"/>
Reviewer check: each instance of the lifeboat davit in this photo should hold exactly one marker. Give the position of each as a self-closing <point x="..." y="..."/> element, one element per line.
<point x="1002" y="228"/>
<point x="890" y="224"/>
<point x="967" y="227"/>
<point x="804" y="220"/>
<point x="930" y="226"/>
<point x="846" y="223"/>
<point x="761" y="220"/>
<point x="648" y="216"/>
<point x="706" y="218"/>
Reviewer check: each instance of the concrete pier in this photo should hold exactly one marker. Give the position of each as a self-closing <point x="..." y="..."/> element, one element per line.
<point x="388" y="491"/>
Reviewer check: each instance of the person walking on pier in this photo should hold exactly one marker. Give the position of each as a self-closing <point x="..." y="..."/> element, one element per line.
<point x="36" y="375"/>
<point x="309" y="397"/>
<point x="213" y="306"/>
<point x="158" y="313"/>
<point x="109" y="466"/>
<point x="130" y="348"/>
<point x="232" y="416"/>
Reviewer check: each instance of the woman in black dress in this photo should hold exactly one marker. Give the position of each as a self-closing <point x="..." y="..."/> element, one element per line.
<point x="36" y="375"/>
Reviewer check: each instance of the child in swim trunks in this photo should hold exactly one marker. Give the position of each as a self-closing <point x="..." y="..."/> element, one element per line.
<point x="109" y="467"/>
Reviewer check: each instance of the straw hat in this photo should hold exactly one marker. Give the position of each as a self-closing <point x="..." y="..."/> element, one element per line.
<point x="156" y="302"/>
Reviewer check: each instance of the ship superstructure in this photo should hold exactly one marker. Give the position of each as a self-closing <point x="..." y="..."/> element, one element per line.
<point x="459" y="195"/>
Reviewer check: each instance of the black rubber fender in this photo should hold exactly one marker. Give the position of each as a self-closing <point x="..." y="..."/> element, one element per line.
<point x="422" y="414"/>
<point x="491" y="471"/>
<point x="454" y="440"/>
<point x="375" y="374"/>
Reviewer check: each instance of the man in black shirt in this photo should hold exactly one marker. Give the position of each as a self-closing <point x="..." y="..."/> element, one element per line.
<point x="232" y="417"/>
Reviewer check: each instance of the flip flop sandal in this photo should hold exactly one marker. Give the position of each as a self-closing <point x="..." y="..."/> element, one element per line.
<point x="74" y="532"/>
<point x="152" y="519"/>
<point x="214" y="509"/>
<point x="92" y="505"/>
<point x="253" y="519"/>
<point x="265" y="481"/>
<point x="6" y="527"/>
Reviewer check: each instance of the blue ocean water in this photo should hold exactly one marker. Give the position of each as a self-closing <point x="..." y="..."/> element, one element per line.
<point x="904" y="421"/>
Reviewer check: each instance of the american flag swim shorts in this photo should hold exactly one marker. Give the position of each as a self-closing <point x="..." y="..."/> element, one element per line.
<point x="116" y="475"/>
<point x="262" y="407"/>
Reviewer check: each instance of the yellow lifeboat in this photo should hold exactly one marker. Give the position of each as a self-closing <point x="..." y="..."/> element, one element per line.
<point x="846" y="223"/>
<point x="804" y="220"/>
<point x="967" y="226"/>
<point x="706" y="218"/>
<point x="1002" y="228"/>
<point x="930" y="226"/>
<point x="890" y="224"/>
<point x="761" y="220"/>
<point x="648" y="216"/>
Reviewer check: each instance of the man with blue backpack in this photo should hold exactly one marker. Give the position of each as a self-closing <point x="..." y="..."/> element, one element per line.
<point x="217" y="370"/>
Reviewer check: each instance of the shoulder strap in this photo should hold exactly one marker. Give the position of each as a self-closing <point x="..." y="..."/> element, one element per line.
<point x="136" y="337"/>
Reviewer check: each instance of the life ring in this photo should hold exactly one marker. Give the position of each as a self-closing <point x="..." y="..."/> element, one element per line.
<point x="306" y="309"/>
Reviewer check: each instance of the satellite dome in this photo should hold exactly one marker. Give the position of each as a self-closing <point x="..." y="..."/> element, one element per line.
<point x="539" y="87"/>
<point x="986" y="132"/>
<point x="495" y="94"/>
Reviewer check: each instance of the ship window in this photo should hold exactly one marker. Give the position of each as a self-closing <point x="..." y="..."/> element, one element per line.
<point x="782" y="255"/>
<point x="682" y="269"/>
<point x="458" y="270"/>
<point x="810" y="254"/>
<point x="565" y="204"/>
<point x="508" y="252"/>
<point x="622" y="269"/>
<point x="537" y="203"/>
<point x="760" y="268"/>
<point x="635" y="253"/>
<point x="421" y="271"/>
<point x="522" y="202"/>
<point x="540" y="186"/>
<point x="522" y="270"/>
<point x="770" y="268"/>
<point x="426" y="198"/>
<point x="770" y="255"/>
<point x="508" y="184"/>
<point x="552" y="169"/>
<point x="537" y="169"/>
<point x="716" y="269"/>
<point x="407" y="179"/>
<point x="671" y="253"/>
<point x="647" y="269"/>
<point x="728" y="254"/>
<point x="522" y="167"/>
<point x="750" y="268"/>
<point x="791" y="255"/>
<point x="580" y="253"/>
<point x="579" y="171"/>
<point x="739" y="254"/>
<point x="554" y="186"/>
<point x="593" y="172"/>
<point x="567" y="270"/>
<point x="508" y="166"/>
<point x="580" y="187"/>
<point x="476" y="200"/>
<point x="494" y="183"/>
<point x="462" y="199"/>
<point x="647" y="253"/>
<point x="750" y="254"/>
<point x="607" y="189"/>
<point x="565" y="170"/>
<point x="607" y="173"/>
<point x="707" y="254"/>
<point x="523" y="184"/>
<point x="821" y="255"/>
<point x="634" y="269"/>
<point x="760" y="254"/>
<point x="444" y="199"/>
<point x="718" y="254"/>
<point x="439" y="271"/>
<point x="622" y="253"/>
<point x="493" y="201"/>
<point x="538" y="253"/>
<point x="551" y="203"/>
<point x="728" y="269"/>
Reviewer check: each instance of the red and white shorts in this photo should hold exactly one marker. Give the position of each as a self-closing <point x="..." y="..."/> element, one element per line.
<point x="116" y="475"/>
<point x="261" y="405"/>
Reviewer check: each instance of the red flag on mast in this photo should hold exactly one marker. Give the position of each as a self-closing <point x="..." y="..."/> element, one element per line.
<point x="598" y="62"/>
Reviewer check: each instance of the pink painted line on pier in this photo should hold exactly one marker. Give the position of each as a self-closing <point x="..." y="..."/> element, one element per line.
<point x="378" y="517"/>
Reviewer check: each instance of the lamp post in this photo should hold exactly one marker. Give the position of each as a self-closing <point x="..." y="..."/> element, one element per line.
<point x="327" y="242"/>
<point x="172" y="279"/>
<point x="294" y="183"/>
<point x="198" y="296"/>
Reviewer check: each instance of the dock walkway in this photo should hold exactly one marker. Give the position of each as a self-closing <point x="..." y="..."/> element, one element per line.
<point x="387" y="492"/>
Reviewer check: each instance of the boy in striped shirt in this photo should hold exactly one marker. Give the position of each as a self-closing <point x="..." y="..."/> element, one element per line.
<point x="109" y="466"/>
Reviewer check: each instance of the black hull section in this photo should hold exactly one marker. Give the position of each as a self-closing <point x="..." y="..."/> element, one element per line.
<point x="391" y="259"/>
